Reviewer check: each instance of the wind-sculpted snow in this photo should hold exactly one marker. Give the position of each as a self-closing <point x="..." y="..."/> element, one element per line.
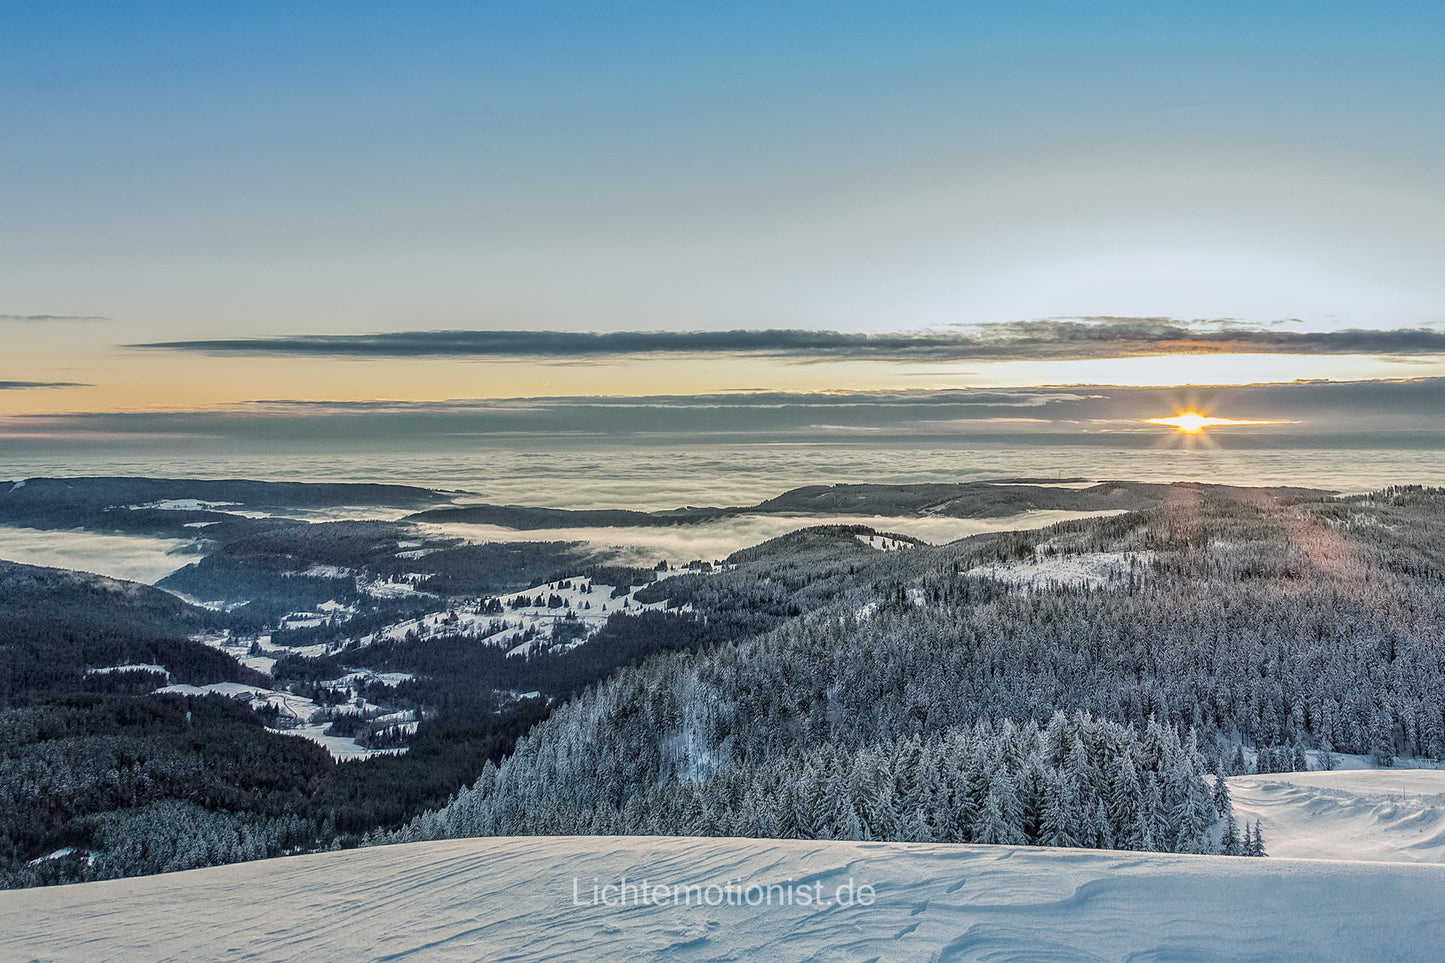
<point x="1374" y="814"/>
<point x="532" y="899"/>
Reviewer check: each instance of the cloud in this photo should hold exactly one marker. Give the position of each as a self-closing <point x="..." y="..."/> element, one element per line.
<point x="52" y="317"/>
<point x="1047" y="339"/>
<point x="18" y="385"/>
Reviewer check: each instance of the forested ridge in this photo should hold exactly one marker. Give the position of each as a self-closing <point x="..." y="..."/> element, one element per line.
<point x="1243" y="619"/>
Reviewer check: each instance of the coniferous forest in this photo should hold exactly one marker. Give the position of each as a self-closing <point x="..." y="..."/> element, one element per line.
<point x="1227" y="622"/>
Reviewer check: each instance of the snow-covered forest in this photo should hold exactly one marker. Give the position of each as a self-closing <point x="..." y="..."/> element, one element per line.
<point x="1077" y="782"/>
<point x="931" y="711"/>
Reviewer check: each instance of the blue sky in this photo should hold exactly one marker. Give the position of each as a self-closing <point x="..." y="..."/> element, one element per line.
<point x="267" y="170"/>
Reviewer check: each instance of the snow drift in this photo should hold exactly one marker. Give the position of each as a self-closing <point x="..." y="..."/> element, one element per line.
<point x="531" y="899"/>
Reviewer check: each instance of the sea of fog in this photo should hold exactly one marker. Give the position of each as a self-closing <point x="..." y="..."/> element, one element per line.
<point x="652" y="477"/>
<point x="657" y="477"/>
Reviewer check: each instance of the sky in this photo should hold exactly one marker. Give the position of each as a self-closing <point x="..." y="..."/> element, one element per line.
<point x="206" y="206"/>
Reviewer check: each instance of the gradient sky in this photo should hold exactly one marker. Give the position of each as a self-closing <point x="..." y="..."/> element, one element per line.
<point x="182" y="171"/>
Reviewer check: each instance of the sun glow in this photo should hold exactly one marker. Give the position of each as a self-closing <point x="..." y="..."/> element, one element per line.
<point x="1194" y="423"/>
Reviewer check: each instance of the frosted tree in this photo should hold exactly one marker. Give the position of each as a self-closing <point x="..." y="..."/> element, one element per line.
<point x="1057" y="818"/>
<point x="1229" y="844"/>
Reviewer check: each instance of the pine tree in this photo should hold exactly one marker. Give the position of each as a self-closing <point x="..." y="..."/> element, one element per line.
<point x="1054" y="830"/>
<point x="1382" y="738"/>
<point x="1126" y="807"/>
<point x="1258" y="841"/>
<point x="994" y="825"/>
<point x="1221" y="794"/>
<point x="1236" y="763"/>
<point x="1229" y="841"/>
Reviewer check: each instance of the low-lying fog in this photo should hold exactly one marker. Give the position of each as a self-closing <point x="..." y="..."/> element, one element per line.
<point x="142" y="559"/>
<point x="719" y="539"/>
<point x="133" y="557"/>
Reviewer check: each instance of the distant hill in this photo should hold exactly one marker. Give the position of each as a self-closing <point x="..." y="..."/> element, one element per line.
<point x="33" y="593"/>
<point x="55" y="624"/>
<point x="962" y="500"/>
<point x="168" y="505"/>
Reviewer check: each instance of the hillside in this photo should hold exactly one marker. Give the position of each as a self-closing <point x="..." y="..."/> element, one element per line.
<point x="33" y="592"/>
<point x="978" y="692"/>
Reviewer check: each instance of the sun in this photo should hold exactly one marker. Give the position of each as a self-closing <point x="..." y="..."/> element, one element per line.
<point x="1194" y="423"/>
<point x="1191" y="422"/>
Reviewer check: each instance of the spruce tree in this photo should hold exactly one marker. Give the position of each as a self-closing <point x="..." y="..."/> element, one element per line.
<point x="1221" y="794"/>
<point x="1054" y="830"/>
<point x="1382" y="738"/>
<point x="1229" y="841"/>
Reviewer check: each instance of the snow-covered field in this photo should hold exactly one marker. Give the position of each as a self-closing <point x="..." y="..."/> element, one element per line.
<point x="131" y="667"/>
<point x="1391" y="815"/>
<point x="1086" y="568"/>
<point x="536" y="610"/>
<point x="263" y="660"/>
<point x="296" y="711"/>
<point x="184" y="505"/>
<point x="532" y="899"/>
<point x="884" y="543"/>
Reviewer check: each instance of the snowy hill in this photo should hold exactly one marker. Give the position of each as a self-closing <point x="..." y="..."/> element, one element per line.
<point x="1389" y="815"/>
<point x="516" y="899"/>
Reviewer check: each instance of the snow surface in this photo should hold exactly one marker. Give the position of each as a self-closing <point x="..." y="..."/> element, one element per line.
<point x="240" y="650"/>
<point x="722" y="537"/>
<point x="328" y="571"/>
<point x="183" y="505"/>
<point x="883" y="543"/>
<point x="131" y="667"/>
<point x="239" y="647"/>
<point x="375" y="587"/>
<point x="517" y="899"/>
<point x="297" y="710"/>
<point x="1389" y="815"/>
<point x="1087" y="483"/>
<point x="1086" y="568"/>
<point x="590" y="609"/>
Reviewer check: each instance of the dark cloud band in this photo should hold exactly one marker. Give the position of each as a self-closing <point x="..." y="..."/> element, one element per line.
<point x="52" y="317"/>
<point x="19" y="385"/>
<point x="1072" y="415"/>
<point x="1024" y="340"/>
